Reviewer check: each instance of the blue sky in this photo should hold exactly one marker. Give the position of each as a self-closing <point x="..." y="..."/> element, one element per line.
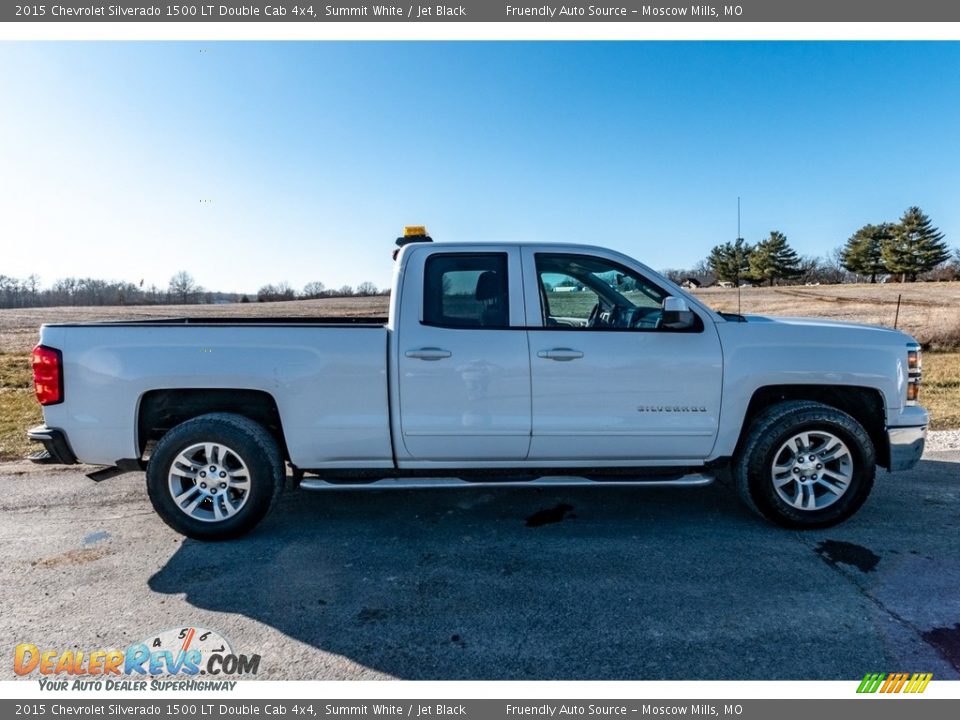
<point x="310" y="157"/>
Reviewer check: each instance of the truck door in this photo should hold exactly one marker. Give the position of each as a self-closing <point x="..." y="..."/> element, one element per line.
<point x="463" y="363"/>
<point x="608" y="382"/>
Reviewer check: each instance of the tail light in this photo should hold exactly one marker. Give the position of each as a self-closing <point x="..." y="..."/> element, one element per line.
<point x="914" y="373"/>
<point x="47" y="375"/>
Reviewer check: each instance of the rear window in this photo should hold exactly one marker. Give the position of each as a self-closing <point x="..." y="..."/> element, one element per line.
<point x="466" y="291"/>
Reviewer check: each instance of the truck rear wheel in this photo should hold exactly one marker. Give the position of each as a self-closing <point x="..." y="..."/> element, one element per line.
<point x="215" y="477"/>
<point x="805" y="465"/>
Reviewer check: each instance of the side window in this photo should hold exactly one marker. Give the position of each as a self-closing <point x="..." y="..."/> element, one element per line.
<point x="566" y="300"/>
<point x="581" y="291"/>
<point x="464" y="291"/>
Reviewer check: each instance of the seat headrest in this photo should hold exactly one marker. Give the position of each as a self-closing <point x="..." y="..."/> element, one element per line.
<point x="489" y="285"/>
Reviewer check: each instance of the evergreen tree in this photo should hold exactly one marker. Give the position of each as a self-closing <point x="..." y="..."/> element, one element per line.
<point x="773" y="259"/>
<point x="916" y="246"/>
<point x="730" y="262"/>
<point x="863" y="253"/>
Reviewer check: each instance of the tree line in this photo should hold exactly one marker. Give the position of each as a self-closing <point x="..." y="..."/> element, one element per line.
<point x="182" y="289"/>
<point x="905" y="251"/>
<point x="316" y="289"/>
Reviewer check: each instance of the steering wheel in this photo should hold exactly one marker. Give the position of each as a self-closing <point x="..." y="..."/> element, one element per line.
<point x="594" y="316"/>
<point x="616" y="317"/>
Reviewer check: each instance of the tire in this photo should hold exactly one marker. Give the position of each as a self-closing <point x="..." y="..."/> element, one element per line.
<point x="247" y="476"/>
<point x="804" y="465"/>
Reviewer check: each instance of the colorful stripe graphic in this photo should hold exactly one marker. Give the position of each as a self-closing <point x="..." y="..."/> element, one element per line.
<point x="894" y="682"/>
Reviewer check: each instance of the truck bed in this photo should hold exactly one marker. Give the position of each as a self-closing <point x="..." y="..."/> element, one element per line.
<point x="327" y="376"/>
<point x="222" y="321"/>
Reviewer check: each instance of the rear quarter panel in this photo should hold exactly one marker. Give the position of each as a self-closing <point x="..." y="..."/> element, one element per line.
<point x="329" y="384"/>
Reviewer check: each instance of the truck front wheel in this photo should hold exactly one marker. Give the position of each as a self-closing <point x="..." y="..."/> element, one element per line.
<point x="805" y="465"/>
<point x="215" y="476"/>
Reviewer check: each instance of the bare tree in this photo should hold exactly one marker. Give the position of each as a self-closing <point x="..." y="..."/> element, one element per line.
<point x="32" y="286"/>
<point x="366" y="289"/>
<point x="315" y="289"/>
<point x="836" y="272"/>
<point x="10" y="295"/>
<point x="183" y="287"/>
<point x="273" y="293"/>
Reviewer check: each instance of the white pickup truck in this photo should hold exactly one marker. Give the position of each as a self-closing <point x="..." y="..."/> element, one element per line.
<point x="500" y="364"/>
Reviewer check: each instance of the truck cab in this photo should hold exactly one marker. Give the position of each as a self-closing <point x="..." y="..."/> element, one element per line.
<point x="559" y="355"/>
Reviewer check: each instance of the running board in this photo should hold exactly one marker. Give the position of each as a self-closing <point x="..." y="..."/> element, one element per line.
<point x="690" y="480"/>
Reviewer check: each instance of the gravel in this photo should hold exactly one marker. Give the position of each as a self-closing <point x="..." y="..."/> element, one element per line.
<point x="939" y="440"/>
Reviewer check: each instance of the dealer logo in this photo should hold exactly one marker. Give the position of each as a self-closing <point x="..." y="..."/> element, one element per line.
<point x="894" y="682"/>
<point x="185" y="651"/>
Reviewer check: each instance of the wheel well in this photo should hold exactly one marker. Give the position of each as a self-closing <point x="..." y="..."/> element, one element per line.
<point x="162" y="410"/>
<point x="865" y="405"/>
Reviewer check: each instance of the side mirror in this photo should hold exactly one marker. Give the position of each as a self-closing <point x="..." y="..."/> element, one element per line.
<point x="676" y="314"/>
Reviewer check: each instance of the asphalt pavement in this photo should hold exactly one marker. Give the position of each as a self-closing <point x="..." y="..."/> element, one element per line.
<point x="579" y="583"/>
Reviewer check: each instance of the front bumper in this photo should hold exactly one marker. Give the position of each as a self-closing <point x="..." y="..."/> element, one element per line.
<point x="906" y="446"/>
<point x="55" y="443"/>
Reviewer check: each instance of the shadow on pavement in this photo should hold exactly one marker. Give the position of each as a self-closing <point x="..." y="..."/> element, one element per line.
<point x="594" y="583"/>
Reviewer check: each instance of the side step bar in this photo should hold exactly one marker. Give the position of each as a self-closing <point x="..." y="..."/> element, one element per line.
<point x="122" y="466"/>
<point x="690" y="480"/>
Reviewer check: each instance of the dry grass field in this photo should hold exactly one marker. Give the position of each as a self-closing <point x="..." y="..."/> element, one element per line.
<point x="19" y="328"/>
<point x="929" y="311"/>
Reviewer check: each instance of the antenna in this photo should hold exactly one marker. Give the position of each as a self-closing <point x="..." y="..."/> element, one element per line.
<point x="738" y="257"/>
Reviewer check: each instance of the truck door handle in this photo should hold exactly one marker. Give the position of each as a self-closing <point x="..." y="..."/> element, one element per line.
<point x="561" y="354"/>
<point x="428" y="353"/>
